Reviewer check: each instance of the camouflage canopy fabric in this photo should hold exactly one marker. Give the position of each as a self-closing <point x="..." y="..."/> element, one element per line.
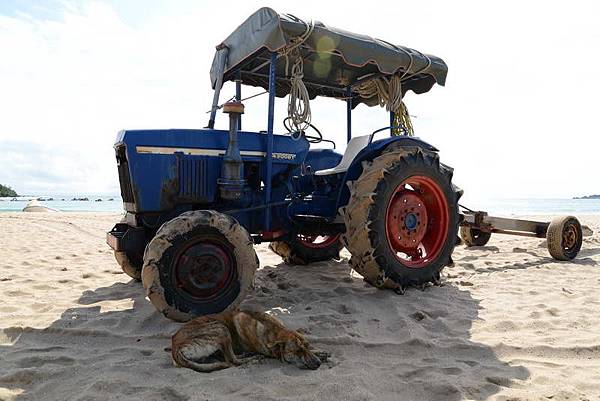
<point x="333" y="58"/>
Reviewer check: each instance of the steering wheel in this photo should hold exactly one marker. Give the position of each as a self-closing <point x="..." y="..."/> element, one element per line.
<point x="287" y="123"/>
<point x="297" y="134"/>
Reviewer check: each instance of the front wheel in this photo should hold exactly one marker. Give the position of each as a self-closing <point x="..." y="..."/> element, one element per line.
<point x="201" y="262"/>
<point x="305" y="249"/>
<point x="131" y="264"/>
<point x="402" y="218"/>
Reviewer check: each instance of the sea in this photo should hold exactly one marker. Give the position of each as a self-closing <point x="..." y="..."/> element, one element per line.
<point x="500" y="207"/>
<point x="67" y="203"/>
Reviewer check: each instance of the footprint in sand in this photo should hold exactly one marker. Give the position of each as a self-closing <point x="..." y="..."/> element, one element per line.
<point x="418" y="316"/>
<point x="37" y="361"/>
<point x="499" y="381"/>
<point x="343" y="309"/>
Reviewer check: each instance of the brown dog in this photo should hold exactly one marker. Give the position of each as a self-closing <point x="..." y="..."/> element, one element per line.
<point x="210" y="343"/>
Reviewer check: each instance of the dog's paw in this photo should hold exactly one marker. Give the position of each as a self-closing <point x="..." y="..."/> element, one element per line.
<point x="322" y="355"/>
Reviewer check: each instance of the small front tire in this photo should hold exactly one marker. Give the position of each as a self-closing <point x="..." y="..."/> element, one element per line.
<point x="131" y="264"/>
<point x="201" y="262"/>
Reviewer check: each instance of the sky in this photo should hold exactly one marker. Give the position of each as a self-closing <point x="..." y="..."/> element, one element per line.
<point x="516" y="119"/>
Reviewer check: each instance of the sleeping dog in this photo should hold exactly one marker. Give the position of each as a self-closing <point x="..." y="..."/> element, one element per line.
<point x="214" y="342"/>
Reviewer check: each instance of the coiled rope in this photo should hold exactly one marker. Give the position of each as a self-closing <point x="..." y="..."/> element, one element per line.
<point x="298" y="102"/>
<point x="389" y="95"/>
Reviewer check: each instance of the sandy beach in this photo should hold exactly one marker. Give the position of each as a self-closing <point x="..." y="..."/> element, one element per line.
<point x="509" y="323"/>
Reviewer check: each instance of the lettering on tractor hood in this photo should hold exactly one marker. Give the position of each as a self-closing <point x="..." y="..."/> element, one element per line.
<point x="165" y="150"/>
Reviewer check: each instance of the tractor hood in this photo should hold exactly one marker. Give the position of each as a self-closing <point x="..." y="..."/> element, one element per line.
<point x="334" y="59"/>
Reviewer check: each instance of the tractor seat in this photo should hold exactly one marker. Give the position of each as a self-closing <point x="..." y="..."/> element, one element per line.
<point x="355" y="145"/>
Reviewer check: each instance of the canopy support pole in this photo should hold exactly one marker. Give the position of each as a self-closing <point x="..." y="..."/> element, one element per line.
<point x="269" y="169"/>
<point x="223" y="51"/>
<point x="392" y="118"/>
<point x="238" y="94"/>
<point x="348" y="113"/>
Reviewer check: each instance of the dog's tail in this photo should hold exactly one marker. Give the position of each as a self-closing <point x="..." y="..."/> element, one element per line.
<point x="181" y="360"/>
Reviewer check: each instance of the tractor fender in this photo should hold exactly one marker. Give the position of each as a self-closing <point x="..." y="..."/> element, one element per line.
<point x="370" y="152"/>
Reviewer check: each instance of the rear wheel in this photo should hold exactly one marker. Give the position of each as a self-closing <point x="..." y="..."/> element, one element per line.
<point x="564" y="237"/>
<point x="199" y="263"/>
<point x="473" y="236"/>
<point x="402" y="219"/>
<point x="306" y="249"/>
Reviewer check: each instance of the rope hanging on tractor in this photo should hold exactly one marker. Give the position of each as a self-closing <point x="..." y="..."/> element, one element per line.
<point x="389" y="94"/>
<point x="299" y="113"/>
<point x="387" y="90"/>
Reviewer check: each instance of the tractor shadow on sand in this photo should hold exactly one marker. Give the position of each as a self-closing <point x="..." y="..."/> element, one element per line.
<point x="383" y="345"/>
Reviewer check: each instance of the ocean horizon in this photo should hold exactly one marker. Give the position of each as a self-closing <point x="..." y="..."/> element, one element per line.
<point x="502" y="207"/>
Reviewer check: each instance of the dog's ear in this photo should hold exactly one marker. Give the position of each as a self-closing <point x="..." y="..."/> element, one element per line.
<point x="302" y="339"/>
<point x="277" y="349"/>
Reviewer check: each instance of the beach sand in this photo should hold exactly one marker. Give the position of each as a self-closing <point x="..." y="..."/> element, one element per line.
<point x="509" y="323"/>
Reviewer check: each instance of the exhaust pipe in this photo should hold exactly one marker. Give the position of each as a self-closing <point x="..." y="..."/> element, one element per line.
<point x="231" y="183"/>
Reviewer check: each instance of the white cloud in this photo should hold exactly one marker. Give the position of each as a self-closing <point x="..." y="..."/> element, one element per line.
<point x="517" y="117"/>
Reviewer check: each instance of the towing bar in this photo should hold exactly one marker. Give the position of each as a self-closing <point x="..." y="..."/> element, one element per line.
<point x="502" y="225"/>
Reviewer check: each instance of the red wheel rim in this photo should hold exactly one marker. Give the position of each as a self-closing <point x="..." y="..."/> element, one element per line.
<point x="317" y="241"/>
<point x="203" y="269"/>
<point x="417" y="221"/>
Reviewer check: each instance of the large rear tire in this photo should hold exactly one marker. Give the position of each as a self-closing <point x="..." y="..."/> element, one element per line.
<point x="199" y="263"/>
<point x="402" y="218"/>
<point x="305" y="249"/>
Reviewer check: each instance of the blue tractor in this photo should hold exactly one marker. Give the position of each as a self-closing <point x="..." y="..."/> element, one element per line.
<point x="197" y="200"/>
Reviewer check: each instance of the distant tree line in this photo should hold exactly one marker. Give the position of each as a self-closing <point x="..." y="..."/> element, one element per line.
<point x="7" y="191"/>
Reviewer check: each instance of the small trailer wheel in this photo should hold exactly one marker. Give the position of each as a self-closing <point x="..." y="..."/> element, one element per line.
<point x="564" y="237"/>
<point x="474" y="237"/>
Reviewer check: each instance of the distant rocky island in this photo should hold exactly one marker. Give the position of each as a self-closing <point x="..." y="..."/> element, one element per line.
<point x="7" y="191"/>
<point x="588" y="197"/>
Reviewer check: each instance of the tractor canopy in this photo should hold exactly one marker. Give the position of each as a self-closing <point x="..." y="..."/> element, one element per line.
<point x="334" y="60"/>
